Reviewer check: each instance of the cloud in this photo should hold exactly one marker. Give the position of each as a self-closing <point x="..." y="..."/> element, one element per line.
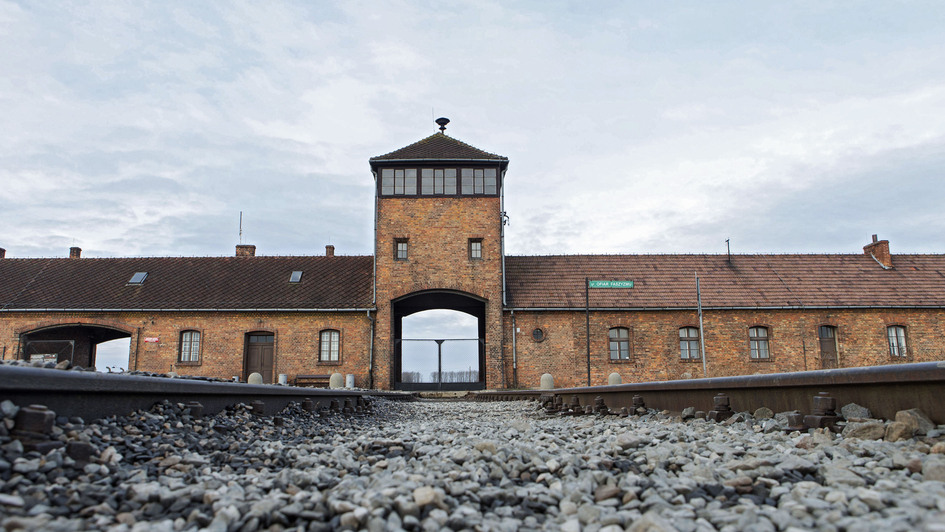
<point x="145" y="129"/>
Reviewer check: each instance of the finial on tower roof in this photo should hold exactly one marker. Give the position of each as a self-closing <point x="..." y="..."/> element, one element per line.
<point x="442" y="123"/>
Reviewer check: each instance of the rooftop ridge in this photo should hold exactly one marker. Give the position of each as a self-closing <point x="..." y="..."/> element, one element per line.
<point x="439" y="146"/>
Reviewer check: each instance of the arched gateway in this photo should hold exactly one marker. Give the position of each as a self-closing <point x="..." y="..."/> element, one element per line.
<point x="430" y="300"/>
<point x="75" y="342"/>
<point x="438" y="245"/>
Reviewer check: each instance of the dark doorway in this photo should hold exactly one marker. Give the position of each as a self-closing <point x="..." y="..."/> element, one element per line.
<point x="438" y="360"/>
<point x="75" y="343"/>
<point x="828" y="346"/>
<point x="260" y="349"/>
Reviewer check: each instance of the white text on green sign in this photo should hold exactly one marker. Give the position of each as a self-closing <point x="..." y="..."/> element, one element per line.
<point x="610" y="284"/>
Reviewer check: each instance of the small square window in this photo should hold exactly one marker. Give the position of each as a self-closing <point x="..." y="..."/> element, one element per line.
<point x="400" y="249"/>
<point x="475" y="249"/>
<point x="295" y="277"/>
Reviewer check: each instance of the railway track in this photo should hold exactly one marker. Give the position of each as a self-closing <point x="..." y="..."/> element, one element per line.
<point x="885" y="390"/>
<point x="92" y="395"/>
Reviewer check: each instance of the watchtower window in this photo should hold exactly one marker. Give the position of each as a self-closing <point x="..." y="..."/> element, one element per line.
<point x="479" y="180"/>
<point x="438" y="181"/>
<point x="399" y="182"/>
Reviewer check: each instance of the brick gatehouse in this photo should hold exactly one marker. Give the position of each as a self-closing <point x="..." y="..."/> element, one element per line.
<point x="438" y="244"/>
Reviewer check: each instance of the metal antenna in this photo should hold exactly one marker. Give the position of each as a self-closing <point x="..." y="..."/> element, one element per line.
<point x="241" y="227"/>
<point x="728" y="249"/>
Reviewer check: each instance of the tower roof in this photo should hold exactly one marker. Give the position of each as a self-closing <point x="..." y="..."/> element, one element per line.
<point x="439" y="147"/>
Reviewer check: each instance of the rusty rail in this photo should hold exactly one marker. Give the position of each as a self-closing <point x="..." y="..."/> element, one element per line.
<point x="93" y="395"/>
<point x="883" y="389"/>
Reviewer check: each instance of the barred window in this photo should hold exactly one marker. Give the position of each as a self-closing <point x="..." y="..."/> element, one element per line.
<point x="758" y="341"/>
<point x="189" y="346"/>
<point x="330" y="346"/>
<point x="619" y="343"/>
<point x="688" y="343"/>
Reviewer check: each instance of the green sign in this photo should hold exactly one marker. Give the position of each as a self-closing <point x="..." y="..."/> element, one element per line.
<point x="610" y="284"/>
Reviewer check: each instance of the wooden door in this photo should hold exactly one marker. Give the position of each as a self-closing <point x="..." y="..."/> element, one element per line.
<point x="828" y="346"/>
<point x="259" y="356"/>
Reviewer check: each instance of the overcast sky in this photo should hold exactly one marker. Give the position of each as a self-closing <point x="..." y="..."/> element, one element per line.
<point x="144" y="128"/>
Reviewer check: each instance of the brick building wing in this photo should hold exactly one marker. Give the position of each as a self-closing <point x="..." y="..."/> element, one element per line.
<point x="739" y="281"/>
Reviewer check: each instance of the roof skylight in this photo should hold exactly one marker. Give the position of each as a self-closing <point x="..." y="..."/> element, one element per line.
<point x="295" y="277"/>
<point x="138" y="278"/>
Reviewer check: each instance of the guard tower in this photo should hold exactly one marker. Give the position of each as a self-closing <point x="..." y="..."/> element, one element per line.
<point x="438" y="245"/>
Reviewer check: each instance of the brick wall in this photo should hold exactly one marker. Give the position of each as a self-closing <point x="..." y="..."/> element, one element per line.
<point x="438" y="230"/>
<point x="793" y="343"/>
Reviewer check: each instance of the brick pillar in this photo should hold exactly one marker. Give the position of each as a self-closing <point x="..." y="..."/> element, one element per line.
<point x="75" y="253"/>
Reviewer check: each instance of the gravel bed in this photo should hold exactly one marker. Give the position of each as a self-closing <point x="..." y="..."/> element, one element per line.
<point x="464" y="466"/>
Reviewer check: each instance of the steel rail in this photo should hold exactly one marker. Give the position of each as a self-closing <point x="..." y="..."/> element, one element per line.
<point x="92" y="395"/>
<point x="885" y="390"/>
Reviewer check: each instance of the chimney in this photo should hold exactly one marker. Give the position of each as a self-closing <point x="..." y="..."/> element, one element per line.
<point x="879" y="250"/>
<point x="245" y="250"/>
<point x="329" y="250"/>
<point x="3" y="253"/>
<point x="75" y="253"/>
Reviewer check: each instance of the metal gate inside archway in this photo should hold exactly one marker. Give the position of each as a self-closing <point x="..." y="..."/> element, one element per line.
<point x="433" y="362"/>
<point x="456" y="364"/>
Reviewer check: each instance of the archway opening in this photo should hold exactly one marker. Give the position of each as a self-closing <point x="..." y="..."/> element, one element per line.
<point x="76" y="343"/>
<point x="439" y="342"/>
<point x="440" y="345"/>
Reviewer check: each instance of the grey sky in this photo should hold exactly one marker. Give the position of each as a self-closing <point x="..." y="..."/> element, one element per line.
<point x="648" y="127"/>
<point x="632" y="127"/>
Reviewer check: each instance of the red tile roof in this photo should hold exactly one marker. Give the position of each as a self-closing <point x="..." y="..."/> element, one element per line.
<point x="439" y="146"/>
<point x="668" y="281"/>
<point x="554" y="282"/>
<point x="187" y="283"/>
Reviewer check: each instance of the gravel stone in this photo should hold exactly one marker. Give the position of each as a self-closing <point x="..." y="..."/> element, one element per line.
<point x="467" y="466"/>
<point x="870" y="430"/>
<point x="916" y="420"/>
<point x="853" y="411"/>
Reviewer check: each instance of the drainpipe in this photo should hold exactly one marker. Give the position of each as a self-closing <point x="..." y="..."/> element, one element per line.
<point x="514" y="354"/>
<point x="374" y="274"/>
<point x="502" y="218"/>
<point x="371" y="354"/>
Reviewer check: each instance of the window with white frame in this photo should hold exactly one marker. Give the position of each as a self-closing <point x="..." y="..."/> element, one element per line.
<point x="330" y="346"/>
<point x="189" y="346"/>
